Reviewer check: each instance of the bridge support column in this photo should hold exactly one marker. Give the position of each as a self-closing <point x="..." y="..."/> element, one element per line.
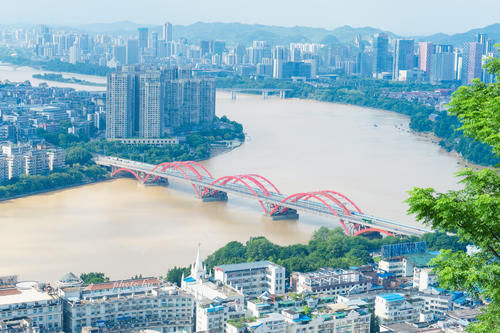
<point x="212" y="195"/>
<point x="282" y="94"/>
<point x="233" y="95"/>
<point x="265" y="94"/>
<point x="282" y="213"/>
<point x="152" y="181"/>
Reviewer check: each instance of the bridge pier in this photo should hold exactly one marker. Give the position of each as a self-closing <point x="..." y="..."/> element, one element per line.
<point x="212" y="195"/>
<point x="233" y="95"/>
<point x="282" y="94"/>
<point x="281" y="213"/>
<point x="265" y="94"/>
<point x="289" y="214"/>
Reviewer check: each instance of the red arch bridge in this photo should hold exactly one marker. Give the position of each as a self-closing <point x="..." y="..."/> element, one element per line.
<point x="326" y="203"/>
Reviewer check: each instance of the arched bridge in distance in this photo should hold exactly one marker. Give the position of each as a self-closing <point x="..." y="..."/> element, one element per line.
<point x="277" y="205"/>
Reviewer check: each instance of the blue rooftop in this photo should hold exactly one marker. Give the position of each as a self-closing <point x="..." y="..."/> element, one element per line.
<point x="189" y="279"/>
<point x="392" y="297"/>
<point x="302" y="318"/>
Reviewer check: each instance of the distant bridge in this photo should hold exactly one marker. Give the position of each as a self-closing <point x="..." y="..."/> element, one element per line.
<point x="275" y="204"/>
<point x="264" y="91"/>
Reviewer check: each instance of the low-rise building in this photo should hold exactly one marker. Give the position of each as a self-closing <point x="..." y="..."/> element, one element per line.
<point x="331" y="281"/>
<point x="394" y="308"/>
<point x="39" y="305"/>
<point x="120" y="306"/>
<point x="216" y="303"/>
<point x="423" y="278"/>
<point x="253" y="278"/>
<point x="56" y="158"/>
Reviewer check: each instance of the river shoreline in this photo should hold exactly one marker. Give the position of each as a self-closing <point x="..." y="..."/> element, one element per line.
<point x="55" y="189"/>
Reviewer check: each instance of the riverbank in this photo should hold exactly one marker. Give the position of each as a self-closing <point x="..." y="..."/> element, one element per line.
<point x="59" y="78"/>
<point x="371" y="93"/>
<point x="55" y="189"/>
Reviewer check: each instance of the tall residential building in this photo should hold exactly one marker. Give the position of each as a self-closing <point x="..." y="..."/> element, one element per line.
<point x="167" y="32"/>
<point x="120" y="54"/>
<point x="382" y="54"/>
<point x="425" y="51"/>
<point x="75" y="54"/>
<point x="443" y="64"/>
<point x="143" y="38"/>
<point x="404" y="56"/>
<point x="121" y="102"/>
<point x="4" y="169"/>
<point x="483" y="40"/>
<point x="151" y="102"/>
<point x="155" y="102"/>
<point x="132" y="52"/>
<point x="471" y="62"/>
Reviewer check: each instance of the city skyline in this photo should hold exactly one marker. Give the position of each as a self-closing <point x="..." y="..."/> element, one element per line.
<point x="402" y="19"/>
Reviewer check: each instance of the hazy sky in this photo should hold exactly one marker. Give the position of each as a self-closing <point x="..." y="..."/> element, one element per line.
<point x="405" y="17"/>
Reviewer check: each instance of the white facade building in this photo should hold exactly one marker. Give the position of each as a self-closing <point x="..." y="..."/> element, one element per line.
<point x="29" y="300"/>
<point x="140" y="303"/>
<point x="56" y="158"/>
<point x="394" y="308"/>
<point x="423" y="278"/>
<point x="331" y="281"/>
<point x="253" y="278"/>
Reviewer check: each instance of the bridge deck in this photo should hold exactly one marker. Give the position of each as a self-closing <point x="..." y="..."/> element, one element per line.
<point x="274" y="198"/>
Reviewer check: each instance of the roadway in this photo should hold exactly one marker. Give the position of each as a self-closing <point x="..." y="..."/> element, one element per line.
<point x="267" y="199"/>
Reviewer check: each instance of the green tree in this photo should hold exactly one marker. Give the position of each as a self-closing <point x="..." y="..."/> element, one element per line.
<point x="93" y="277"/>
<point x="174" y="275"/>
<point x="78" y="155"/>
<point x="473" y="212"/>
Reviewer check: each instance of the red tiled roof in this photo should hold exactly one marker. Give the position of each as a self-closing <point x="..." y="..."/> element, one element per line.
<point x="124" y="284"/>
<point x="9" y="292"/>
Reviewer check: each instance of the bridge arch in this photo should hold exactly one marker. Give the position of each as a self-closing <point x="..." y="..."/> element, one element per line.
<point x="307" y="195"/>
<point x="382" y="231"/>
<point x="266" y="181"/>
<point x="167" y="165"/>
<point x="227" y="179"/>
<point x="201" y="167"/>
<point x="344" y="197"/>
<point x="129" y="171"/>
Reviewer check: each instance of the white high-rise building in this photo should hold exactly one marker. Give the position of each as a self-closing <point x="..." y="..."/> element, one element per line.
<point x="120" y="105"/>
<point x="253" y="278"/>
<point x="75" y="54"/>
<point x="167" y="32"/>
<point x="150" y="105"/>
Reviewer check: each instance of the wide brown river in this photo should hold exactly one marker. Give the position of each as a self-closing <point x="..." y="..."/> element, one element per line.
<point x="123" y="229"/>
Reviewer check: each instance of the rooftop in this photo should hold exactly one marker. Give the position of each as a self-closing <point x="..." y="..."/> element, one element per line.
<point x="245" y="266"/>
<point x="21" y="295"/>
<point x="392" y="297"/>
<point x="124" y="284"/>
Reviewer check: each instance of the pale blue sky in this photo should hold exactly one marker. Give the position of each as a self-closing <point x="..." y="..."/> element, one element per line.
<point x="403" y="17"/>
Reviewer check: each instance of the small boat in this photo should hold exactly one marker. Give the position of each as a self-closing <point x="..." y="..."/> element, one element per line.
<point x="375" y="125"/>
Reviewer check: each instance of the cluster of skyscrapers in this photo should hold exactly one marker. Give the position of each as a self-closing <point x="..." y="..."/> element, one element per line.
<point x="379" y="56"/>
<point x="433" y="62"/>
<point x="150" y="102"/>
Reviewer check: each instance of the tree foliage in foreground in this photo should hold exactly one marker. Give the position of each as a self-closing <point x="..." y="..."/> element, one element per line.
<point x="473" y="212"/>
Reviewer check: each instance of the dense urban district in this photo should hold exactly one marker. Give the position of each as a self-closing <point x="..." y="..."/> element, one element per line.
<point x="159" y="106"/>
